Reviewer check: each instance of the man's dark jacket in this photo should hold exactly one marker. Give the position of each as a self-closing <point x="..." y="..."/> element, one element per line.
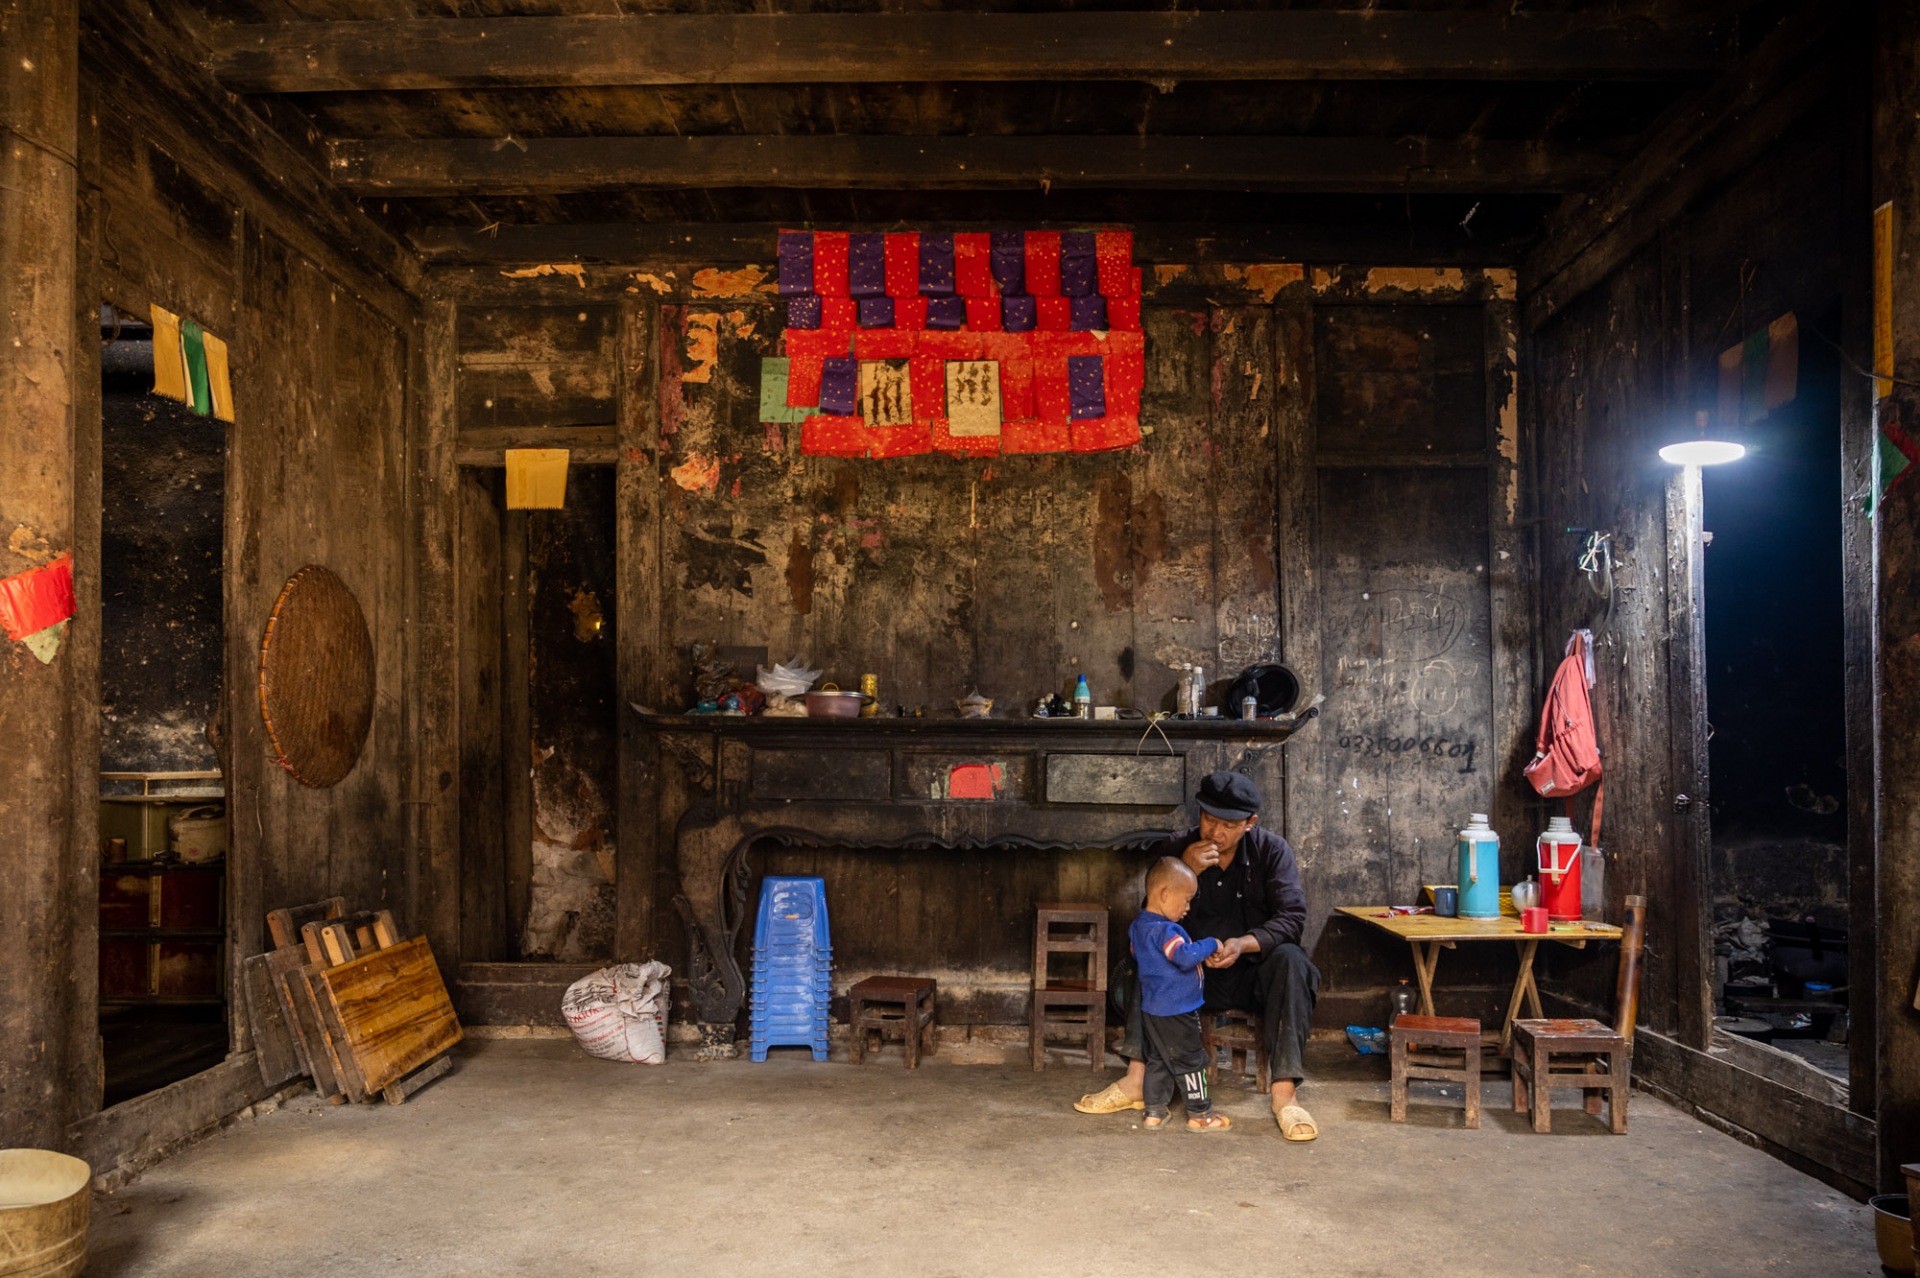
<point x="1272" y="890"/>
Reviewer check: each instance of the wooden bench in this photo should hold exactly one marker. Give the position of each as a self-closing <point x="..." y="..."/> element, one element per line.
<point x="1578" y="1053"/>
<point x="883" y="1005"/>
<point x="1441" y="1048"/>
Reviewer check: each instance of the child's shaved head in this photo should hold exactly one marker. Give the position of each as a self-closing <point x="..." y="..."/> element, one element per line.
<point x="1169" y="870"/>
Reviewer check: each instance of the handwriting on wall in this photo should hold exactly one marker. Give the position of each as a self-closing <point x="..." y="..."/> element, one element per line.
<point x="1431" y="749"/>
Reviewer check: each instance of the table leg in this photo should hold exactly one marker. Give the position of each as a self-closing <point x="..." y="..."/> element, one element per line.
<point x="1522" y="988"/>
<point x="1423" y="971"/>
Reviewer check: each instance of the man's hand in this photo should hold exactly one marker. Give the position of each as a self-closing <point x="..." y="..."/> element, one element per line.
<point x="1201" y="854"/>
<point x="1230" y="951"/>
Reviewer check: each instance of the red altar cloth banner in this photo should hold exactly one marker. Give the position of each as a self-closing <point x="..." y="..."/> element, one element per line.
<point x="1045" y="403"/>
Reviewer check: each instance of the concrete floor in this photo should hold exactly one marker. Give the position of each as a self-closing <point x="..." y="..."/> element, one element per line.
<point x="533" y="1159"/>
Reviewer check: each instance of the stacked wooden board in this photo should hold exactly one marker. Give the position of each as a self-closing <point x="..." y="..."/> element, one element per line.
<point x="342" y="999"/>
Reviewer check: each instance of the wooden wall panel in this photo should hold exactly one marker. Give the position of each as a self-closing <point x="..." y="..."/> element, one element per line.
<point x="1014" y="575"/>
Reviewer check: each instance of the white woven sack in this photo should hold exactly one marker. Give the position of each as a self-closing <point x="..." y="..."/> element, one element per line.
<point x="620" y="1013"/>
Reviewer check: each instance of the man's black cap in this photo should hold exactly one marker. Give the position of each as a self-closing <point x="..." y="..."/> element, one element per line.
<point x="1229" y="796"/>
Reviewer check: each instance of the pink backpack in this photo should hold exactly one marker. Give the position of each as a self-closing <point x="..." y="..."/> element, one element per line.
<point x="1567" y="753"/>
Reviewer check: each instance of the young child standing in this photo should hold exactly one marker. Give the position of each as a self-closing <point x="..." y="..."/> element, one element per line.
<point x="1171" y="991"/>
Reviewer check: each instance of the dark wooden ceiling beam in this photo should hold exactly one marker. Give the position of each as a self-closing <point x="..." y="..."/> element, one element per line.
<point x="1707" y="138"/>
<point x="544" y="166"/>
<point x="654" y="49"/>
<point x="740" y="243"/>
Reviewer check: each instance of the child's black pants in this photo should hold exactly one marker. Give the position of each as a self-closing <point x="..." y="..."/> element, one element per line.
<point x="1176" y="1061"/>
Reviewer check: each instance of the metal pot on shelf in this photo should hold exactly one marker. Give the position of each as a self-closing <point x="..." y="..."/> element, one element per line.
<point x="828" y="702"/>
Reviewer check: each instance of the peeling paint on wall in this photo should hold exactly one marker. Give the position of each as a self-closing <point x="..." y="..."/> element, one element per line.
<point x="697" y="474"/>
<point x="1163" y="274"/>
<point x="578" y="272"/>
<point x="703" y="345"/>
<point x="744" y="282"/>
<point x="1415" y="279"/>
<point x="30" y="546"/>
<point x="1268" y="278"/>
<point x="654" y="282"/>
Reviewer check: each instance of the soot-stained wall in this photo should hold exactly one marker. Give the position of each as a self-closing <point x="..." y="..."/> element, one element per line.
<point x="163" y="486"/>
<point x="1328" y="476"/>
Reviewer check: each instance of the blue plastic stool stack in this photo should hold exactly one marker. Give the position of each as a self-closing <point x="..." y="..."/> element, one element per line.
<point x="792" y="968"/>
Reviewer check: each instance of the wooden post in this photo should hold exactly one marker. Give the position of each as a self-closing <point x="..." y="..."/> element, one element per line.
<point x="1687" y="695"/>
<point x="39" y="913"/>
<point x="1896" y="555"/>
<point x="1626" y="993"/>
<point x="637" y="629"/>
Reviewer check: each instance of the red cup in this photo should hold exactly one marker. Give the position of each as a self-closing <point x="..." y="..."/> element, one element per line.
<point x="1534" y="919"/>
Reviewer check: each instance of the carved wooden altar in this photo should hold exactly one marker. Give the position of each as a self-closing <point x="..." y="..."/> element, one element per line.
<point x="722" y="783"/>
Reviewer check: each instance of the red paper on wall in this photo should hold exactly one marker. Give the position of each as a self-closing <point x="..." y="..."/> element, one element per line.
<point x="838" y="315"/>
<point x="1056" y="313"/>
<point x="927" y="382"/>
<point x="1043" y="263"/>
<point x="907" y="440"/>
<point x="1034" y="437"/>
<point x="835" y="437"/>
<point x="37" y="598"/>
<point x="983" y="314"/>
<point x="830" y="264"/>
<point x="1113" y="259"/>
<point x="972" y="253"/>
<point x="1100" y="434"/>
<point x="884" y="343"/>
<point x="903" y="264"/>
<point x="1050" y="400"/>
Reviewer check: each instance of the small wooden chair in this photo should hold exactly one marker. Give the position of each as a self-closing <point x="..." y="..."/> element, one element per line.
<point x="1070" y="1006"/>
<point x="1590" y="1056"/>
<point x="884" y="1005"/>
<point x="1241" y="1035"/>
<point x="1426" y="1047"/>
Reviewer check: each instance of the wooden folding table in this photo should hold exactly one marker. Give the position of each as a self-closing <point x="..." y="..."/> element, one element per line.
<point x="1428" y="934"/>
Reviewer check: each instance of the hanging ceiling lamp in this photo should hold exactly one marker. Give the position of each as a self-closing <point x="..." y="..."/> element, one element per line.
<point x="1700" y="449"/>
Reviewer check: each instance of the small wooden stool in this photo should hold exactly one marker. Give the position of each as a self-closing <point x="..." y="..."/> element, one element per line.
<point x="1243" y="1035"/>
<point x="887" y="1004"/>
<point x="1425" y="1047"/>
<point x="1085" y="1015"/>
<point x="1593" y="1057"/>
<point x="1080" y="1001"/>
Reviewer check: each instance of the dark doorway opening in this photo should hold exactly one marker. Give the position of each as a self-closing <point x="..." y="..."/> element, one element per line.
<point x="539" y="722"/>
<point x="163" y="978"/>
<point x="1775" y="666"/>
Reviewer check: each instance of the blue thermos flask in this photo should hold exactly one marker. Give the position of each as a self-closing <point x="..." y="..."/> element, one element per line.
<point x="1479" y="870"/>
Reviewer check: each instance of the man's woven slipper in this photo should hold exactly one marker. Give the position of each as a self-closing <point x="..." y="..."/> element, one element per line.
<point x="1111" y="1101"/>
<point x="1291" y="1119"/>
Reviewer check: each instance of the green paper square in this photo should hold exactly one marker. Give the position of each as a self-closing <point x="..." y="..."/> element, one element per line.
<point x="773" y="394"/>
<point x="193" y="343"/>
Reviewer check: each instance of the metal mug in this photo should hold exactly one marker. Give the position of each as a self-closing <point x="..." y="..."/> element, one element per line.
<point x="1534" y="921"/>
<point x="1446" y="902"/>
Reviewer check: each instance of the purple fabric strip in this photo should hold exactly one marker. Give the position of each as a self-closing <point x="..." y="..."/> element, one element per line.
<point x="803" y="311"/>
<point x="1089" y="314"/>
<point x="796" y="263"/>
<point x="1076" y="263"/>
<point x="876" y="312"/>
<point x="840" y="386"/>
<point x="1018" y="314"/>
<point x="1086" y="387"/>
<point x="866" y="264"/>
<point x="1009" y="263"/>
<point x="947" y="312"/>
<point x="936" y="263"/>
